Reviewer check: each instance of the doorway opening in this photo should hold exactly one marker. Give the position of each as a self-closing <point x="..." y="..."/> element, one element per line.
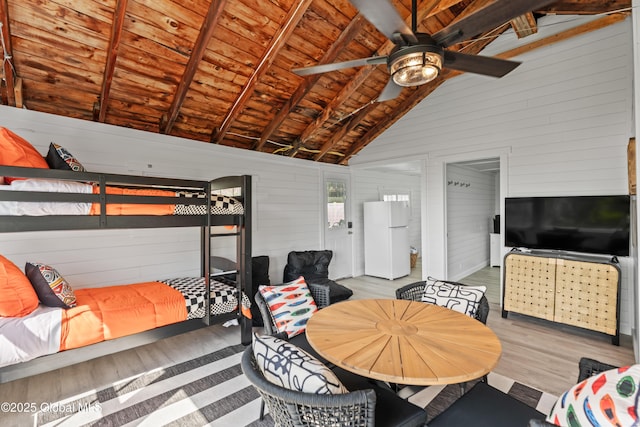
<point x="472" y="207"/>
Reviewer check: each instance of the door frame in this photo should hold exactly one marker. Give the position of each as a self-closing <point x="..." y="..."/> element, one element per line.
<point x="349" y="206"/>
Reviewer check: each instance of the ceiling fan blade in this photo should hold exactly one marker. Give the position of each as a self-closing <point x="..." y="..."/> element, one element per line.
<point x="324" y="68"/>
<point x="390" y="91"/>
<point x="485" y="19"/>
<point x="386" y="19"/>
<point x="477" y="64"/>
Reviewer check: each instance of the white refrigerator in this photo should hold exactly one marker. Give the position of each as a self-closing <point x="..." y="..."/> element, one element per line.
<point x="386" y="239"/>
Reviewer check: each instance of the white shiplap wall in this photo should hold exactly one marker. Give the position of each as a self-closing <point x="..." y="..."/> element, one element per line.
<point x="560" y="123"/>
<point x="287" y="203"/>
<point x="471" y="198"/>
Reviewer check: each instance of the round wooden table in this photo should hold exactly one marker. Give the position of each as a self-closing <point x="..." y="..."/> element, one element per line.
<point x="404" y="342"/>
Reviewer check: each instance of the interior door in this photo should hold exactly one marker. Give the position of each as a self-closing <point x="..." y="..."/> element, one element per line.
<point x="338" y="234"/>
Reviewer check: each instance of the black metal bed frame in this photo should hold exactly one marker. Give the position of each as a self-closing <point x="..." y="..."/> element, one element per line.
<point x="104" y="221"/>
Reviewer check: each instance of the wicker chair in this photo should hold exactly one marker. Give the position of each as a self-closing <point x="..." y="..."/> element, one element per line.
<point x="414" y="291"/>
<point x="366" y="404"/>
<point x="292" y="408"/>
<point x="320" y="295"/>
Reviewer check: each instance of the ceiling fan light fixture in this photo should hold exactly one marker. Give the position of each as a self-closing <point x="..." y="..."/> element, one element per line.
<point x="415" y="68"/>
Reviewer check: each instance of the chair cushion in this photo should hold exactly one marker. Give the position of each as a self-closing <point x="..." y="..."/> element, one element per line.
<point x="290" y="304"/>
<point x="310" y="264"/>
<point x="391" y="409"/>
<point x="608" y="398"/>
<point x="460" y="298"/>
<point x="337" y="292"/>
<point x="484" y="405"/>
<point x="288" y="366"/>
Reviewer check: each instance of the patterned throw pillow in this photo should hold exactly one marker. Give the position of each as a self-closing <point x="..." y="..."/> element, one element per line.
<point x="288" y="366"/>
<point x="291" y="305"/>
<point x="460" y="298"/>
<point x="606" y="399"/>
<point x="59" y="158"/>
<point x="52" y="289"/>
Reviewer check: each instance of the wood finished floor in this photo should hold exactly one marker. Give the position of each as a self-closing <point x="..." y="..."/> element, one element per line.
<point x="537" y="353"/>
<point x="541" y="354"/>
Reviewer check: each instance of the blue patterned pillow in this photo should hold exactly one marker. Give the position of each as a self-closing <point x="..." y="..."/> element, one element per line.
<point x="290" y="367"/>
<point x="460" y="298"/>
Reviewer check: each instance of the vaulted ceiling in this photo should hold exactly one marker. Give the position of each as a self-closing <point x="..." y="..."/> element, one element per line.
<point x="220" y="71"/>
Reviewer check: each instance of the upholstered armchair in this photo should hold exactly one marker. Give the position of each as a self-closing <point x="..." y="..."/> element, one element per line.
<point x="314" y="267"/>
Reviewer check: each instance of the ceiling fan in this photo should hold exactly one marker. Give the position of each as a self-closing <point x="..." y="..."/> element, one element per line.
<point x="418" y="58"/>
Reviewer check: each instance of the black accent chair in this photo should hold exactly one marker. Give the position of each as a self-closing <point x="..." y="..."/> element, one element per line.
<point x="484" y="405"/>
<point x="414" y="291"/>
<point x="365" y="405"/>
<point x="314" y="267"/>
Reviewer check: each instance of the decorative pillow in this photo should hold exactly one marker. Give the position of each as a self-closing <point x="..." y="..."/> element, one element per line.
<point x="18" y="297"/>
<point x="461" y="298"/>
<point x="291" y="305"/>
<point x="606" y="399"/>
<point x="288" y="366"/>
<point x="17" y="151"/>
<point x="50" y="286"/>
<point x="59" y="158"/>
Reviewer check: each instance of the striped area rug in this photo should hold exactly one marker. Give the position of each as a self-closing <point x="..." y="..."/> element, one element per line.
<point x="212" y="391"/>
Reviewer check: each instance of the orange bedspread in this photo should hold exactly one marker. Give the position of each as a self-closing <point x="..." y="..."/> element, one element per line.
<point x="115" y="311"/>
<point x="134" y="209"/>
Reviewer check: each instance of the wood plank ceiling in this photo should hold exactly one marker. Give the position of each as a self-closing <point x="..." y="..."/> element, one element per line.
<point x="219" y="71"/>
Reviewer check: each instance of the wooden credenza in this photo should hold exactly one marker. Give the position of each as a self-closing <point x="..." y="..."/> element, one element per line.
<point x="577" y="291"/>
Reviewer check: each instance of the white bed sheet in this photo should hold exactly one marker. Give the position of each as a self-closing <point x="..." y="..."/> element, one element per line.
<point x="31" y="336"/>
<point x="15" y="208"/>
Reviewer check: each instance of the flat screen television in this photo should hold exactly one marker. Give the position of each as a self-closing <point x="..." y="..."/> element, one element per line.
<point x="589" y="224"/>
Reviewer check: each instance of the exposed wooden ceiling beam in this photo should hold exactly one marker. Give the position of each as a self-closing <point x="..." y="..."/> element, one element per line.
<point x="8" y="70"/>
<point x="278" y="41"/>
<point x="100" y="110"/>
<point x="352" y="122"/>
<point x="206" y="32"/>
<point x="524" y="25"/>
<point x="354" y="27"/>
<point x="425" y="90"/>
<point x="355" y="82"/>
<point x="597" y="24"/>
<point x="587" y="7"/>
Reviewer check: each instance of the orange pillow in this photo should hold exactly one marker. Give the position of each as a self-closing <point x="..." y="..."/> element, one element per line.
<point x="17" y="151"/>
<point x="18" y="296"/>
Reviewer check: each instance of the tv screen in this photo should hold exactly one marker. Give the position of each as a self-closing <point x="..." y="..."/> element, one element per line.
<point x="590" y="224"/>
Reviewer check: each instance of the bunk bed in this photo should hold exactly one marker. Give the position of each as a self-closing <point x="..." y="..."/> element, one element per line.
<point x="121" y="201"/>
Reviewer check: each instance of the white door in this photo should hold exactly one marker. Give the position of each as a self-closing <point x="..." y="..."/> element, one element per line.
<point x="338" y="232"/>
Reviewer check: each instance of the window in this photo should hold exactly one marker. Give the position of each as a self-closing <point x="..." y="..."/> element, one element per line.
<point x="391" y="195"/>
<point x="336" y="204"/>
